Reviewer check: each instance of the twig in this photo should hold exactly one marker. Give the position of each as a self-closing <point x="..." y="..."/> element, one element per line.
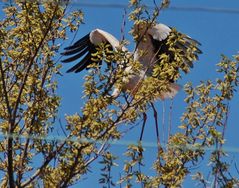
<point x="5" y="90"/>
<point x="9" y="140"/>
<point x="24" y="155"/>
<point x="87" y="163"/>
<point x="43" y="166"/>
<point x="101" y="149"/>
<point x="14" y="115"/>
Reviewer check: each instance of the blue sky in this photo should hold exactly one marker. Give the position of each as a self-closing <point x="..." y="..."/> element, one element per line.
<point x="218" y="33"/>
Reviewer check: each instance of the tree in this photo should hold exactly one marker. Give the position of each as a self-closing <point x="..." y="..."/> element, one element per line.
<point x="30" y="35"/>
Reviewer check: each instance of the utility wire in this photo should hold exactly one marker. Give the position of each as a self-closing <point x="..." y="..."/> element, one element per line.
<point x="114" y="142"/>
<point x="171" y="8"/>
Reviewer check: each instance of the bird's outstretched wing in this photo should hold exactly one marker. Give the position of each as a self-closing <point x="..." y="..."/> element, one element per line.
<point x="163" y="51"/>
<point x="83" y="49"/>
<point x="173" y="43"/>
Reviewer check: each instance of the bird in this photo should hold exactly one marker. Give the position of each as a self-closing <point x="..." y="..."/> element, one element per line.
<point x="152" y="39"/>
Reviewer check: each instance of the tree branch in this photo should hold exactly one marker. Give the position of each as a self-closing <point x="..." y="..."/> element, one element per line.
<point x="46" y="162"/>
<point x="9" y="142"/>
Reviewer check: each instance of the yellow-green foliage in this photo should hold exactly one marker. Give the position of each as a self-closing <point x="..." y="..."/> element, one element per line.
<point x="29" y="41"/>
<point x="30" y="35"/>
<point x="203" y="125"/>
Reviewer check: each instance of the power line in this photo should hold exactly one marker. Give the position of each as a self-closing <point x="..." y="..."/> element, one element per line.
<point x="114" y="142"/>
<point x="205" y="9"/>
<point x="171" y="8"/>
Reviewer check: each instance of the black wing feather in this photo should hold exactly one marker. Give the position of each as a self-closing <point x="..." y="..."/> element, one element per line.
<point x="77" y="56"/>
<point x="76" y="49"/>
<point x="81" y="65"/>
<point x="78" y="43"/>
<point x="187" y="43"/>
<point x="81" y="48"/>
<point x="162" y="47"/>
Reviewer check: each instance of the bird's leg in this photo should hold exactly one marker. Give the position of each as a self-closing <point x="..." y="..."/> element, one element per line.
<point x="163" y="122"/>
<point x="144" y="122"/>
<point x="140" y="139"/>
<point x="156" y="123"/>
<point x="170" y="120"/>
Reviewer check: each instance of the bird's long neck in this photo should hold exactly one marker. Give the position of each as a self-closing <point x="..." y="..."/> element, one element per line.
<point x="145" y="53"/>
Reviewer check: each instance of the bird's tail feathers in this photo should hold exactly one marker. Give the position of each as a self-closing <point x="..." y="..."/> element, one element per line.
<point x="173" y="90"/>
